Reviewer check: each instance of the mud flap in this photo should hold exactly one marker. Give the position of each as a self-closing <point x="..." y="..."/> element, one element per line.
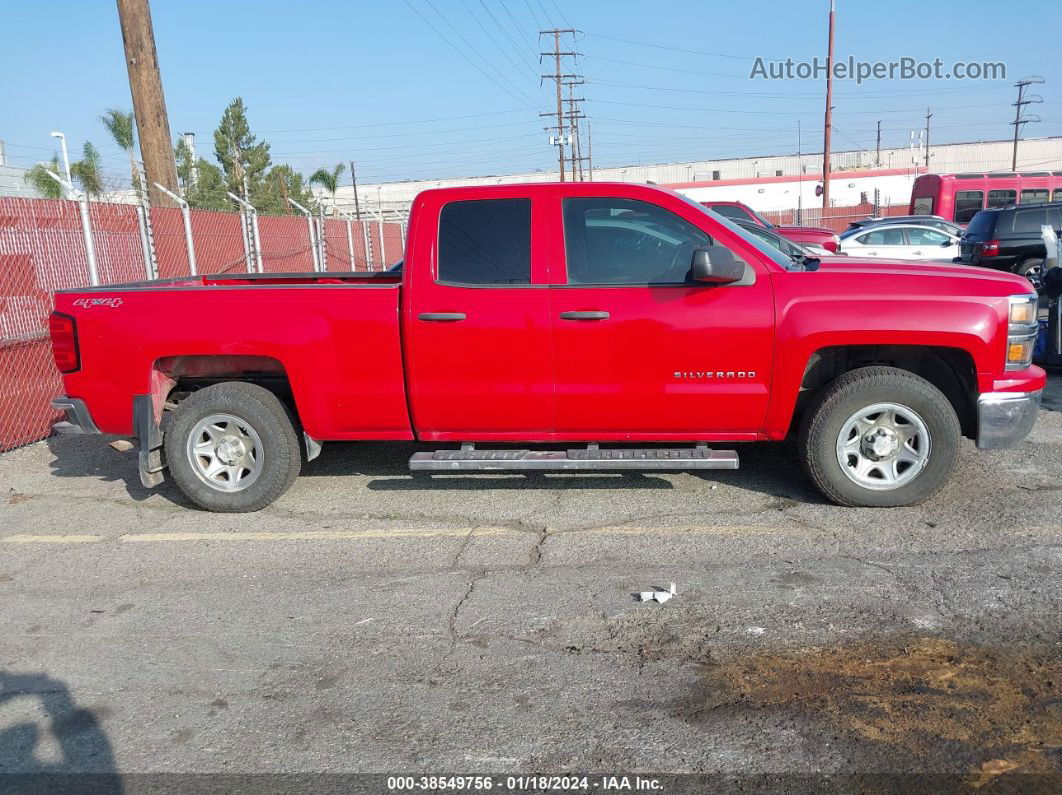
<point x="149" y="435"/>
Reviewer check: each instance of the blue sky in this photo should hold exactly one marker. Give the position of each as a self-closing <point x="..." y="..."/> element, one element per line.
<point x="373" y="81"/>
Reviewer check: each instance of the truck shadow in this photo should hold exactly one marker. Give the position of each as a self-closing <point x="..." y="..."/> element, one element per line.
<point x="48" y="743"/>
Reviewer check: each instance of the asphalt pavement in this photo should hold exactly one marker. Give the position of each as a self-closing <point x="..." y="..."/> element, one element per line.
<point x="376" y="621"/>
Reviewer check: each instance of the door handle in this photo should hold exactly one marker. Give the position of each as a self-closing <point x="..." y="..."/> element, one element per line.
<point x="442" y="317"/>
<point x="591" y="314"/>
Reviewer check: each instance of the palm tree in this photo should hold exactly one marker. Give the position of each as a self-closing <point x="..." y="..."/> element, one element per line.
<point x="329" y="180"/>
<point x="44" y="184"/>
<point x="122" y="127"/>
<point x="86" y="171"/>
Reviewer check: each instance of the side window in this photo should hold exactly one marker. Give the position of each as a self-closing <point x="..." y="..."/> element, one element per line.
<point x="623" y="241"/>
<point x="1057" y="197"/>
<point x="926" y="237"/>
<point x="485" y="241"/>
<point x="967" y="204"/>
<point x="1001" y="198"/>
<point x="1032" y="195"/>
<point x="883" y="237"/>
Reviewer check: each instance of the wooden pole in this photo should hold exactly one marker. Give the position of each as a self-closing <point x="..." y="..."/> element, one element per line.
<point x="827" y="127"/>
<point x="149" y="104"/>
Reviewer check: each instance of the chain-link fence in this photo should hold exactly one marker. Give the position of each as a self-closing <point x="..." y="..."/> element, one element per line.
<point x="48" y="245"/>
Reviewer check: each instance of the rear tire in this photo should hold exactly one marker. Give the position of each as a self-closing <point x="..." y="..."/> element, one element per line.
<point x="879" y="437"/>
<point x="232" y="448"/>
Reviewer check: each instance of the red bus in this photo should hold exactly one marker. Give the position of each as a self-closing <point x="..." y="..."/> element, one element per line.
<point x="958" y="197"/>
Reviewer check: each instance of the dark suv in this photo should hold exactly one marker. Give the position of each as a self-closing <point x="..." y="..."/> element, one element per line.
<point x="1009" y="238"/>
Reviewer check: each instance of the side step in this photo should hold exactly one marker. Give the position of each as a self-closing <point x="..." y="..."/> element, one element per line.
<point x="592" y="457"/>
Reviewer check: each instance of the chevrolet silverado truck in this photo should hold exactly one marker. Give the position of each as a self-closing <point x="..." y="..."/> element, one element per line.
<point x="563" y="327"/>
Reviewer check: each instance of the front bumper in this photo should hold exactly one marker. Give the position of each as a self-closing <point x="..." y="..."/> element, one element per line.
<point x="78" y="419"/>
<point x="1005" y="418"/>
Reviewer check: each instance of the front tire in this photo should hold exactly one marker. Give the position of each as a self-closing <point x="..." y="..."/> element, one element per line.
<point x="232" y="448"/>
<point x="879" y="437"/>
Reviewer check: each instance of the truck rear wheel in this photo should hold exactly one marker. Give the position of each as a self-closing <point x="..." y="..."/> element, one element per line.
<point x="232" y="448"/>
<point x="879" y="437"/>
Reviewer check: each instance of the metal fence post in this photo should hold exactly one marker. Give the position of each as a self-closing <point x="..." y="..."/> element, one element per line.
<point x="251" y="241"/>
<point x="86" y="228"/>
<point x="144" y="245"/>
<point x="309" y="224"/>
<point x="147" y="230"/>
<point x="186" y="217"/>
<point x="322" y="255"/>
<point x="368" y="244"/>
<point x="350" y="244"/>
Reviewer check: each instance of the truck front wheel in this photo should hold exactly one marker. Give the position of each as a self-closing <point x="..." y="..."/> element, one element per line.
<point x="232" y="448"/>
<point x="879" y="437"/>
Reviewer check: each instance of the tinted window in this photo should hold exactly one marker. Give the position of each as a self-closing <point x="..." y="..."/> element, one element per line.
<point x="1001" y="198"/>
<point x="1058" y="195"/>
<point x="622" y="241"/>
<point x="883" y="237"/>
<point x="980" y="227"/>
<point x="1029" y="221"/>
<point x="926" y="237"/>
<point x="967" y="204"/>
<point x="1034" y="195"/>
<point x="730" y="211"/>
<point x="485" y="242"/>
<point x="923" y="205"/>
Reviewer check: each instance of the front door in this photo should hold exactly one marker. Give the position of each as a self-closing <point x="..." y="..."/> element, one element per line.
<point x="641" y="351"/>
<point x="478" y="352"/>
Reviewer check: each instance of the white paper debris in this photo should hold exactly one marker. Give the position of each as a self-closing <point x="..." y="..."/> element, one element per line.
<point x="658" y="596"/>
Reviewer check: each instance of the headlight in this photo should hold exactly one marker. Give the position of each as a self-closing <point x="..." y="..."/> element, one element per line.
<point x="1022" y="328"/>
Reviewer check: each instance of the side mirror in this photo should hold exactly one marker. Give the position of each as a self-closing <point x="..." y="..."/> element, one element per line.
<point x="716" y="265"/>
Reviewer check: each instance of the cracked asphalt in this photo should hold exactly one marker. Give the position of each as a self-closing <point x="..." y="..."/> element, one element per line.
<point x="372" y="620"/>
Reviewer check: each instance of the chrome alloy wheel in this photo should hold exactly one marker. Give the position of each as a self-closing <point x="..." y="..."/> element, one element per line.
<point x="883" y="446"/>
<point x="225" y="452"/>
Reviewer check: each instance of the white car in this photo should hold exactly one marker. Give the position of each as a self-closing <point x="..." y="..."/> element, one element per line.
<point x="903" y="241"/>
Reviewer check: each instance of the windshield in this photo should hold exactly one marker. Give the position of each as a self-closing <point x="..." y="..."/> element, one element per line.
<point x="773" y="254"/>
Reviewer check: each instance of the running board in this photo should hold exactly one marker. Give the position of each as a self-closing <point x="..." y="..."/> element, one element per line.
<point x="673" y="459"/>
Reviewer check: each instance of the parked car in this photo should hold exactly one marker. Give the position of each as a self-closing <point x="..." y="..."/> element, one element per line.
<point x="1009" y="238"/>
<point x="793" y="250"/>
<point x="903" y="241"/>
<point x="574" y="313"/>
<point x="932" y="221"/>
<point x="738" y="211"/>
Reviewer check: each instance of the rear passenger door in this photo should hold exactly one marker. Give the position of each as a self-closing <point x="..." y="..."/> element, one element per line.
<point x="478" y="352"/>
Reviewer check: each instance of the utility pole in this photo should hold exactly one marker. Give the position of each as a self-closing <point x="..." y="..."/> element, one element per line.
<point x="558" y="77"/>
<point x="1018" y="107"/>
<point x="149" y="103"/>
<point x="829" y="116"/>
<point x="573" y="115"/>
<point x="877" y="148"/>
<point x="800" y="182"/>
<point x="354" y="184"/>
<point x="589" y="152"/>
<point x="928" y="117"/>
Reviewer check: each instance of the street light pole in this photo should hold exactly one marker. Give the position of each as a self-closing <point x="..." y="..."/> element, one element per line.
<point x="66" y="157"/>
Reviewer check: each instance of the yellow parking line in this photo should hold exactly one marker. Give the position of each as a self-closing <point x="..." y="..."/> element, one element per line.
<point x="26" y="538"/>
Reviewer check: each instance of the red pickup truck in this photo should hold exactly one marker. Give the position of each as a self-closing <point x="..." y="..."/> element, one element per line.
<point x="739" y="211"/>
<point x="563" y="327"/>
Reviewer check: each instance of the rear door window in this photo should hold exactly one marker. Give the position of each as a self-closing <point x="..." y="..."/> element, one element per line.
<point x="485" y="241"/>
<point x="883" y="237"/>
<point x="926" y="237"/>
<point x="967" y="204"/>
<point x="1028" y="222"/>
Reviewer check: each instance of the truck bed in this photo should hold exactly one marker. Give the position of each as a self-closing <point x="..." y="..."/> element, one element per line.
<point x="333" y="336"/>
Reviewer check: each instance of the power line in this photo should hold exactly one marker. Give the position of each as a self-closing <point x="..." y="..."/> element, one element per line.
<point x="672" y="49"/>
